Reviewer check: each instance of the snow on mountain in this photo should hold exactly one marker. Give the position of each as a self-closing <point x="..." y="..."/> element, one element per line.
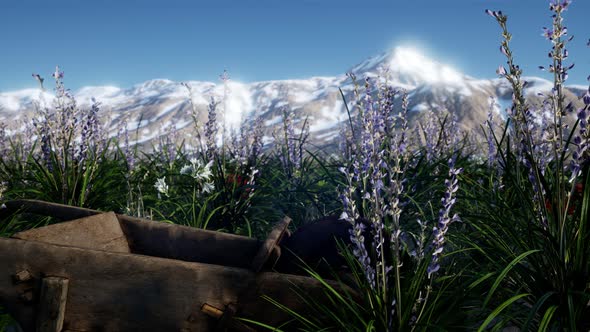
<point x="105" y="94"/>
<point x="152" y="107"/>
<point x="22" y="99"/>
<point x="408" y="68"/>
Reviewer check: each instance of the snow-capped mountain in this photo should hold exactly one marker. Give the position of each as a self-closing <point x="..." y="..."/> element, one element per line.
<point x="150" y="107"/>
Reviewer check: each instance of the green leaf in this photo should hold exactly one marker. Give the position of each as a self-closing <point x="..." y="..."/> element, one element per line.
<point x="547" y="318"/>
<point x="535" y="308"/>
<point x="499" y="309"/>
<point x="505" y="272"/>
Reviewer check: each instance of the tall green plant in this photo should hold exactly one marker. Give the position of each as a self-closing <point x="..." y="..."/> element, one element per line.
<point x="534" y="240"/>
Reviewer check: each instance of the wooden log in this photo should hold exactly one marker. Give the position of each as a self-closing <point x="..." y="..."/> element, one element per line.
<point x="315" y="245"/>
<point x="126" y="292"/>
<point x="59" y="211"/>
<point x="225" y="318"/>
<point x="148" y="237"/>
<point x="188" y="243"/>
<point x="275" y="254"/>
<point x="272" y="241"/>
<point x="52" y="304"/>
<point x="117" y="291"/>
<point x="27" y="296"/>
<point x="225" y="321"/>
<point x="288" y="290"/>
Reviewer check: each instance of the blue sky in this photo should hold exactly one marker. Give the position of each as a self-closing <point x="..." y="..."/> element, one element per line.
<point x="124" y="42"/>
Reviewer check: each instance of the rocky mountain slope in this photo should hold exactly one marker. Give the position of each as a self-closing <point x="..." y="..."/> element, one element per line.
<point x="151" y="108"/>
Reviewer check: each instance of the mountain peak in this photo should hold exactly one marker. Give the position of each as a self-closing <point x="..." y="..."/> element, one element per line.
<point x="408" y="66"/>
<point x="410" y="61"/>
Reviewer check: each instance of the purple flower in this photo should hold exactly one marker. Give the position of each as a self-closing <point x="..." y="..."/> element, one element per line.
<point x="211" y="129"/>
<point x="559" y="5"/>
<point x="375" y="183"/>
<point x="129" y="153"/>
<point x="89" y="133"/>
<point x="224" y="77"/>
<point x="548" y="33"/>
<point x="167" y="144"/>
<point x="352" y="216"/>
<point x="290" y="138"/>
<point x="501" y="71"/>
<point x="292" y="148"/>
<point x="494" y="14"/>
<point x="58" y="75"/>
<point x="44" y="132"/>
<point x="257" y="142"/>
<point x="490" y="137"/>
<point x="39" y="79"/>
<point x="503" y="50"/>
<point x="444" y="217"/>
<point x="582" y="114"/>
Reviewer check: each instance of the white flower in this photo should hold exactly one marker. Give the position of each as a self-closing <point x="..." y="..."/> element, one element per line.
<point x="186" y="169"/>
<point x="197" y="170"/>
<point x="206" y="171"/>
<point x="253" y="173"/>
<point x="208" y="187"/>
<point x="161" y="186"/>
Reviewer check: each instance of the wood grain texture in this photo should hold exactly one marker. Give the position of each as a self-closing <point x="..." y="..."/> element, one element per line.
<point x="188" y="244"/>
<point x="59" y="211"/>
<point x="100" y="232"/>
<point x="127" y="292"/>
<point x="143" y="236"/>
<point x="272" y="242"/>
<point x="52" y="304"/>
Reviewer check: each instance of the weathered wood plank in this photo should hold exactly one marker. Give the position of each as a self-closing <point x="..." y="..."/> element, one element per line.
<point x="100" y="232"/>
<point x="187" y="243"/>
<point x="154" y="238"/>
<point x="225" y="318"/>
<point x="52" y="304"/>
<point x="126" y="292"/>
<point x="59" y="211"/>
<point x="118" y="291"/>
<point x="287" y="290"/>
<point x="272" y="242"/>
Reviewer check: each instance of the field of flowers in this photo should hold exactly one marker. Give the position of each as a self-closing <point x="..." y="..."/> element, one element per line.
<point x="450" y="231"/>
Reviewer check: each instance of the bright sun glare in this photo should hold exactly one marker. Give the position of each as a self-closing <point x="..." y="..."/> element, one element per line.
<point x="411" y="60"/>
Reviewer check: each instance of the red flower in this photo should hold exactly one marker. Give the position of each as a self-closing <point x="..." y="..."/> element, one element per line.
<point x="576" y="198"/>
<point x="237" y="181"/>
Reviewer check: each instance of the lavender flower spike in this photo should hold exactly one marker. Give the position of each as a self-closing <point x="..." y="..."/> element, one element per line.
<point x="582" y="141"/>
<point x="211" y="129"/>
<point x="444" y="218"/>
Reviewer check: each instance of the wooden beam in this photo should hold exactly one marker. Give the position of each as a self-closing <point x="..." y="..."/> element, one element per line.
<point x="59" y="211"/>
<point x="272" y="242"/>
<point x="52" y="304"/>
<point x="225" y="318"/>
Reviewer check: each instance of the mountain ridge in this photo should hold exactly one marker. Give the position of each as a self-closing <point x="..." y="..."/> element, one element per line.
<point x="155" y="104"/>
